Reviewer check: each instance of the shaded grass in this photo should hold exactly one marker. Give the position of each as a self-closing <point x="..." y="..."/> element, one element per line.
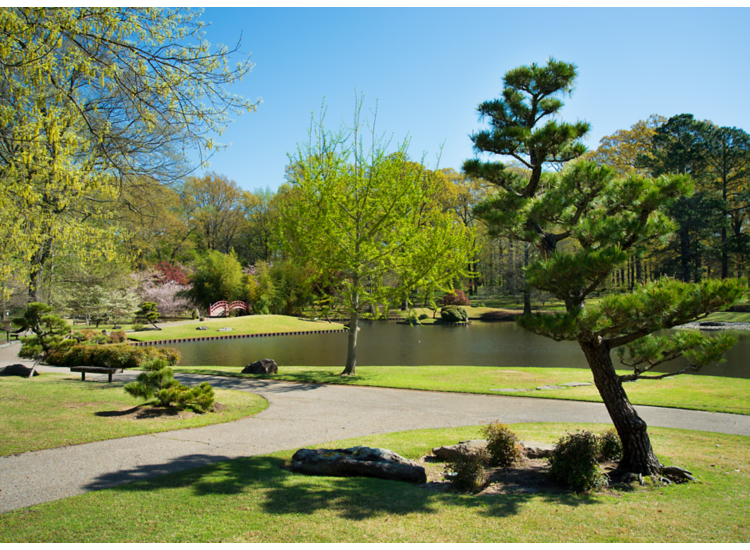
<point x="54" y="410"/>
<point x="696" y="392"/>
<point x="255" y="500"/>
<point x="249" y="324"/>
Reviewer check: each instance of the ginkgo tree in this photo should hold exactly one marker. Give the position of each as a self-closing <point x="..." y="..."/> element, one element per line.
<point x="369" y="218"/>
<point x="94" y="99"/>
<point x="586" y="221"/>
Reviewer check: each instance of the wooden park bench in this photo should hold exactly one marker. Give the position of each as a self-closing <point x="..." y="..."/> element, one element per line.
<point x="96" y="370"/>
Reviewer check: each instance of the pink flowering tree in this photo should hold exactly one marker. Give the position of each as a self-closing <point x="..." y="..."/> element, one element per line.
<point x="165" y="293"/>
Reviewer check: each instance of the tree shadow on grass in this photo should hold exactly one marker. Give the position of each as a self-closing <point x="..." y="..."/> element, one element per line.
<point x="283" y="492"/>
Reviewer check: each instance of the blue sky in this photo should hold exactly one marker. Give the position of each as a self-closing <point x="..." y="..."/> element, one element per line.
<point x="428" y="69"/>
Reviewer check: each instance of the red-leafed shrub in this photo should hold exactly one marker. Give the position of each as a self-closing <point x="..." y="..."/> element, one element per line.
<point x="455" y="298"/>
<point x="170" y="272"/>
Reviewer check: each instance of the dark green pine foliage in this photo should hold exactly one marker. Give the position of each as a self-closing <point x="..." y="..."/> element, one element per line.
<point x="718" y="159"/>
<point x="602" y="220"/>
<point x="523" y="127"/>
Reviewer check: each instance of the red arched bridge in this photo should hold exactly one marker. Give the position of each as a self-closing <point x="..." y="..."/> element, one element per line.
<point x="223" y="308"/>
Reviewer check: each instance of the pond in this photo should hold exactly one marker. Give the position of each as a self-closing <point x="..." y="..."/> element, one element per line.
<point x="386" y="343"/>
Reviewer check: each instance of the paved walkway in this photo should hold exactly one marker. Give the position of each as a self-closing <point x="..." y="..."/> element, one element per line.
<point x="298" y="415"/>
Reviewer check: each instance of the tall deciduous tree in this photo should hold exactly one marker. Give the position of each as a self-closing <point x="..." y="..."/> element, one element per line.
<point x="606" y="218"/>
<point x="218" y="210"/>
<point x="626" y="150"/>
<point x="367" y="215"/>
<point x="91" y="98"/>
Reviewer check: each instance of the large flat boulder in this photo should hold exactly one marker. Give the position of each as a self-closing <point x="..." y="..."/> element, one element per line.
<point x="358" y="461"/>
<point x="530" y="449"/>
<point x="534" y="449"/>
<point x="449" y="453"/>
<point x="263" y="366"/>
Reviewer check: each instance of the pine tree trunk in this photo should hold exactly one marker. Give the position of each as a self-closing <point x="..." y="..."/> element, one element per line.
<point x="526" y="288"/>
<point x="638" y="455"/>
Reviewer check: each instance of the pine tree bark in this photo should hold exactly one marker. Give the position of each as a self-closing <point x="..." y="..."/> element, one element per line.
<point x="637" y="454"/>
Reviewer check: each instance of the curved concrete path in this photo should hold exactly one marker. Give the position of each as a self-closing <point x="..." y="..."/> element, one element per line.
<point x="298" y="415"/>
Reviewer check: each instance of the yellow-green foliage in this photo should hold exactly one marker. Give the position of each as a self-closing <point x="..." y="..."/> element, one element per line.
<point x="68" y="113"/>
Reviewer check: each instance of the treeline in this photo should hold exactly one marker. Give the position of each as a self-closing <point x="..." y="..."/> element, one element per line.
<point x="203" y="239"/>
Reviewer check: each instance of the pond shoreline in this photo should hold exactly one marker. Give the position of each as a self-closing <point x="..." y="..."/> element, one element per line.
<point x="715" y="325"/>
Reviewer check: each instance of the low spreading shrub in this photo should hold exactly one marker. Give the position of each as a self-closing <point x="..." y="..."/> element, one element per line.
<point x="455" y="298"/>
<point x="453" y="314"/>
<point x="574" y="463"/>
<point x="503" y="446"/>
<point x="138" y="327"/>
<point x="120" y="356"/>
<point x="157" y="381"/>
<point x="118" y="337"/>
<point x="610" y="446"/>
<point x="466" y="473"/>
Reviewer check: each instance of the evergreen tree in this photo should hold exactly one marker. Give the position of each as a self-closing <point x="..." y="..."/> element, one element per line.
<point x="607" y="219"/>
<point x="531" y="94"/>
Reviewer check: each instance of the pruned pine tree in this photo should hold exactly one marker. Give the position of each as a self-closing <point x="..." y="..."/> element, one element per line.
<point x="530" y="95"/>
<point x="607" y="218"/>
<point x="370" y="218"/>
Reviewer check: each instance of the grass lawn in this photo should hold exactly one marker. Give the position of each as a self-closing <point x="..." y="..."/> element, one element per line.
<point x="54" y="410"/>
<point x="249" y="324"/>
<point x="254" y="500"/>
<point x="705" y="393"/>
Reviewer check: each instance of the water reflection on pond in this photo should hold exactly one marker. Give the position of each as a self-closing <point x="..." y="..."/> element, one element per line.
<point x="386" y="343"/>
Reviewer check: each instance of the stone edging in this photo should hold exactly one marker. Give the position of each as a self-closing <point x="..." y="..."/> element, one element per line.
<point x="228" y="337"/>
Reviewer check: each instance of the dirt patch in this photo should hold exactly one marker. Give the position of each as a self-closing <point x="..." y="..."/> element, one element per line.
<point x="150" y="412"/>
<point x="528" y="476"/>
<point x="146" y="412"/>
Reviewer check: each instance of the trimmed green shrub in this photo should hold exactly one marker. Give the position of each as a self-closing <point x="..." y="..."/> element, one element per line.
<point x="157" y="381"/>
<point x="138" y="327"/>
<point x="610" y="446"/>
<point x="502" y="445"/>
<point x="118" y="337"/>
<point x="423" y="316"/>
<point x="466" y="473"/>
<point x="574" y="462"/>
<point x="453" y="314"/>
<point x="120" y="356"/>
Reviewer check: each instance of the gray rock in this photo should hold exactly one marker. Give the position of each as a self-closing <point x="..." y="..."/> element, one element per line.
<point x="224" y="329"/>
<point x="263" y="366"/>
<point x="358" y="461"/>
<point x="202" y="328"/>
<point x="531" y="449"/>
<point x="17" y="370"/>
<point x="534" y="449"/>
<point x="551" y="388"/>
<point x="576" y="384"/>
<point x="450" y="453"/>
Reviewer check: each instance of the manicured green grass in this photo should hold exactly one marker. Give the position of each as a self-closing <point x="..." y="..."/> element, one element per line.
<point x="704" y="393"/>
<point x="54" y="410"/>
<point x="249" y="324"/>
<point x="729" y="317"/>
<point x="255" y="500"/>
